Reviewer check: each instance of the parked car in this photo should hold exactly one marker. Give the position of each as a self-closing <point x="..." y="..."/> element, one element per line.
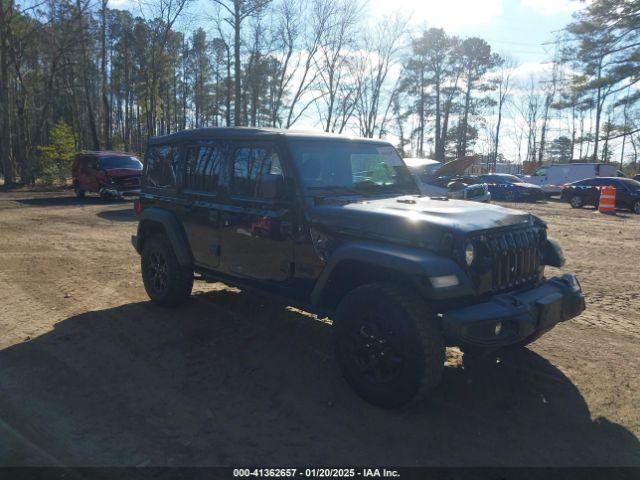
<point x="447" y="180"/>
<point x="110" y="174"/>
<point x="511" y="188"/>
<point x="337" y="226"/>
<point x="587" y="192"/>
<point x="554" y="176"/>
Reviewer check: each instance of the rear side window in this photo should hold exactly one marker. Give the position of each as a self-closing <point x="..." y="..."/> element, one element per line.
<point x="162" y="166"/>
<point x="203" y="167"/>
<point x="249" y="165"/>
<point x="582" y="183"/>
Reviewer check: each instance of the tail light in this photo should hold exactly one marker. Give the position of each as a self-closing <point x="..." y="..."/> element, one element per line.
<point x="137" y="206"/>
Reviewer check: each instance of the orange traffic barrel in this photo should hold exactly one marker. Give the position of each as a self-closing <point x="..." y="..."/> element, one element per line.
<point x="607" y="200"/>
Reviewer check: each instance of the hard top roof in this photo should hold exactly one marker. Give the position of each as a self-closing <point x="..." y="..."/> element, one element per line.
<point x="248" y="132"/>
<point x="419" y="162"/>
<point x="498" y="174"/>
<point x="575" y="163"/>
<point x="606" y="178"/>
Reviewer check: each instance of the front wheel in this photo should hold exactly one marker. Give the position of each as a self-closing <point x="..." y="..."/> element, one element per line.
<point x="166" y="281"/>
<point x="510" y="196"/>
<point x="636" y="207"/>
<point x="78" y="191"/>
<point x="388" y="344"/>
<point x="576" y="201"/>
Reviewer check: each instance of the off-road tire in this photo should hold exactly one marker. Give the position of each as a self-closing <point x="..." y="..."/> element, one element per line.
<point x="419" y="341"/>
<point x="576" y="201"/>
<point x="157" y="256"/>
<point x="78" y="191"/>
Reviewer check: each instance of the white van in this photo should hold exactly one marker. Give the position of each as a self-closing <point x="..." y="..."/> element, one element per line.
<point x="552" y="177"/>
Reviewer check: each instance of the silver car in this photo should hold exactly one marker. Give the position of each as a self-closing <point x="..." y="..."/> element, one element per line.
<point x="436" y="179"/>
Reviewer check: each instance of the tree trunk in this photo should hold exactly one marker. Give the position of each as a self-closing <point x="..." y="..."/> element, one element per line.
<point x="236" y="65"/>
<point x="462" y="141"/>
<point x="5" y="117"/>
<point x="106" y="110"/>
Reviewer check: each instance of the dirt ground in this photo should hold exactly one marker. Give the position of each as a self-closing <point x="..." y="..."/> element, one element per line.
<point x="92" y="374"/>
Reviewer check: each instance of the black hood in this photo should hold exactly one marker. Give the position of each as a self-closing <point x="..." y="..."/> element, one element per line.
<point x="418" y="221"/>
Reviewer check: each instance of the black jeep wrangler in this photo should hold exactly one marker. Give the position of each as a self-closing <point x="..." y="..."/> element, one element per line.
<point x="336" y="226"/>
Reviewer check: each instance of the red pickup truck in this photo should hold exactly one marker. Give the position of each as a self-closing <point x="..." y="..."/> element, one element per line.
<point x="110" y="174"/>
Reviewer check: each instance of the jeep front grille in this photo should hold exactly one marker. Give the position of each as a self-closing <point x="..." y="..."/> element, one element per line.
<point x="515" y="258"/>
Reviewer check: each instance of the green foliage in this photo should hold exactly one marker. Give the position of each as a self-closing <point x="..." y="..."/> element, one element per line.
<point x="54" y="160"/>
<point x="559" y="150"/>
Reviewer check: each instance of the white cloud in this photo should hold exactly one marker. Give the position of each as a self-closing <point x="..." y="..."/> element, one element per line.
<point x="552" y="7"/>
<point x="118" y="3"/>
<point x="452" y="15"/>
<point x="538" y="69"/>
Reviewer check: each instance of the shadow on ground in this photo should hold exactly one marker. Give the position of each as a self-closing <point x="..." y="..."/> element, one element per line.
<point x="126" y="214"/>
<point x="69" y="200"/>
<point x="233" y="378"/>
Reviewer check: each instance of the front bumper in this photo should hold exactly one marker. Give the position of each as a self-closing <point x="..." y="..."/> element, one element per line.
<point x="485" y="197"/>
<point x="512" y="318"/>
<point x="531" y="194"/>
<point x="113" y="191"/>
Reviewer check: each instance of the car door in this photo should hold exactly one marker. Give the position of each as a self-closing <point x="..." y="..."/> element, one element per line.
<point x="201" y="190"/>
<point x="623" y="197"/>
<point x="256" y="231"/>
<point x="589" y="190"/>
<point x="88" y="173"/>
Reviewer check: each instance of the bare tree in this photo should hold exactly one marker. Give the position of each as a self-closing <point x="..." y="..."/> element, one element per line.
<point x="381" y="47"/>
<point x="334" y="63"/>
<point x="165" y="14"/>
<point x="503" y="87"/>
<point x="239" y="11"/>
<point x="550" y="89"/>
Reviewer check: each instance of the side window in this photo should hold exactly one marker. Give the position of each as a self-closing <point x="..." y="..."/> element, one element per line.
<point x="618" y="185"/>
<point x="162" y="166"/>
<point x="203" y="167"/>
<point x="540" y="172"/>
<point x="249" y="166"/>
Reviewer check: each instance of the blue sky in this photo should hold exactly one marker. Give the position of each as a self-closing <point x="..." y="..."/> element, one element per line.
<point x="519" y="28"/>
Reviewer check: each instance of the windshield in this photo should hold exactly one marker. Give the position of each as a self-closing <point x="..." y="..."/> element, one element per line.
<point x="509" y="179"/>
<point x="430" y="170"/>
<point x="120" y="161"/>
<point x="632" y="185"/>
<point x="351" y="167"/>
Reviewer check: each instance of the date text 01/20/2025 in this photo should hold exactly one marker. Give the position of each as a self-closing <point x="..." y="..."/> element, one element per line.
<point x="315" y="472"/>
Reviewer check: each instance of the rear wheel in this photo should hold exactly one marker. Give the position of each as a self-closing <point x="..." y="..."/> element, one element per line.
<point x="166" y="281"/>
<point x="388" y="344"/>
<point x="576" y="201"/>
<point x="78" y="191"/>
<point x="636" y="207"/>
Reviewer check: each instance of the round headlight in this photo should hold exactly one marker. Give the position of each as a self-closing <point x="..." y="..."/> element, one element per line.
<point x="469" y="253"/>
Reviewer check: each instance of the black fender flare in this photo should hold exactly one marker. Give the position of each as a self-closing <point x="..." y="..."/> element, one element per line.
<point x="413" y="262"/>
<point x="172" y="228"/>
